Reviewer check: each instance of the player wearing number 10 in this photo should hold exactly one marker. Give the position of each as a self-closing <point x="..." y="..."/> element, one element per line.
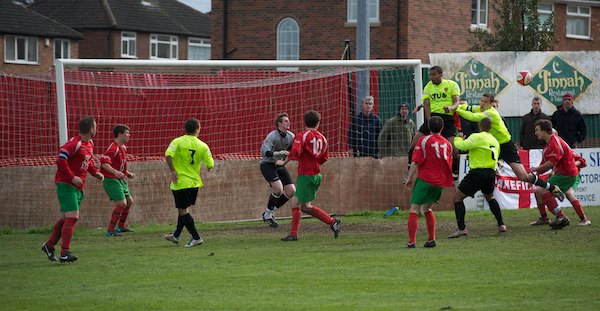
<point x="184" y="156"/>
<point x="432" y="158"/>
<point x="483" y="151"/>
<point x="310" y="149"/>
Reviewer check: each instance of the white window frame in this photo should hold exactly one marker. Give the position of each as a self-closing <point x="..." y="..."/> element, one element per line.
<point x="202" y="43"/>
<point x="15" y="45"/>
<point x="579" y="15"/>
<point x="351" y="11"/>
<point x="481" y="7"/>
<point x="65" y="51"/>
<point x="288" y="39"/>
<point x="544" y="11"/>
<point x="156" y="40"/>
<point x="129" y="39"/>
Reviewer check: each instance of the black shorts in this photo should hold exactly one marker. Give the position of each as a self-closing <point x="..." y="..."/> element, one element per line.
<point x="449" y="129"/>
<point x="272" y="173"/>
<point x="185" y="198"/>
<point x="509" y="153"/>
<point x="483" y="179"/>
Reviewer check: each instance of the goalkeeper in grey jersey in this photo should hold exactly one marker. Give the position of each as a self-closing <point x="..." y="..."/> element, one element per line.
<point x="275" y="147"/>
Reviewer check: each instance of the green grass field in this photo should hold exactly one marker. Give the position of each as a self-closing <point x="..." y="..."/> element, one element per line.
<point x="244" y="266"/>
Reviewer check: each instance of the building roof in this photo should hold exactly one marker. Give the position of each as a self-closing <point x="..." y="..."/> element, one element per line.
<point x="18" y="20"/>
<point x="157" y="16"/>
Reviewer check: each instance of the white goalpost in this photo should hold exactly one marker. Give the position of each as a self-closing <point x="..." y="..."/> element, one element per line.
<point x="236" y="103"/>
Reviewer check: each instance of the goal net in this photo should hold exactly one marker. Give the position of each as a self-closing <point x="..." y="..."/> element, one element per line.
<point x="236" y="103"/>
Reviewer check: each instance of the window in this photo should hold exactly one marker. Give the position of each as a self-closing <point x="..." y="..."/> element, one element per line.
<point x="479" y="13"/>
<point x="128" y="40"/>
<point x="198" y="49"/>
<point x="373" y="10"/>
<point x="578" y="22"/>
<point x="62" y="48"/>
<point x="19" y="49"/>
<point x="163" y="46"/>
<point x="288" y="40"/>
<point x="544" y="12"/>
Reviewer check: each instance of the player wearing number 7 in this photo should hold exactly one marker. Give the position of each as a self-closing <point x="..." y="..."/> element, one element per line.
<point x="184" y="156"/>
<point x="483" y="151"/>
<point x="310" y="150"/>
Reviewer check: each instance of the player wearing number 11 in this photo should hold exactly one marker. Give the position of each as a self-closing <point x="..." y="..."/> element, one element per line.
<point x="184" y="156"/>
<point x="432" y="159"/>
<point x="483" y="151"/>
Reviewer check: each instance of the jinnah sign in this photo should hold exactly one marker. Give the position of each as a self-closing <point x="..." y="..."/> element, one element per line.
<point x="557" y="78"/>
<point x="475" y="78"/>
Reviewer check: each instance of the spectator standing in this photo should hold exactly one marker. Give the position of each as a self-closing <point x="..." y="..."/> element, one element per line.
<point x="527" y="138"/>
<point x="569" y="122"/>
<point x="364" y="130"/>
<point x="396" y="134"/>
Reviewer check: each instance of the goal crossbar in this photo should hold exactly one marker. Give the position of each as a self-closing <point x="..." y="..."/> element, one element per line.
<point x="60" y="65"/>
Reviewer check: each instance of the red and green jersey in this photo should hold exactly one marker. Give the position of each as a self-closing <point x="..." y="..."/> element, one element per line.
<point x="433" y="154"/>
<point x="116" y="157"/>
<point x="310" y="149"/>
<point x="560" y="154"/>
<point x="75" y="159"/>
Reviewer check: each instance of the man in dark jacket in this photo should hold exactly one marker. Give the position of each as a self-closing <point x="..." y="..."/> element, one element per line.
<point x="527" y="138"/>
<point x="364" y="131"/>
<point x="569" y="122"/>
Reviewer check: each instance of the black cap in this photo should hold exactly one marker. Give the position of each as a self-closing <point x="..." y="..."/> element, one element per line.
<point x="404" y="105"/>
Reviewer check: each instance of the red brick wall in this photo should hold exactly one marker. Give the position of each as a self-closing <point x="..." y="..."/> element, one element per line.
<point x="426" y="26"/>
<point x="349" y="184"/>
<point x="252" y="27"/>
<point x="570" y="44"/>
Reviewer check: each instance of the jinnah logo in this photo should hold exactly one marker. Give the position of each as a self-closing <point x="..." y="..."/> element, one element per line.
<point x="475" y="78"/>
<point x="558" y="78"/>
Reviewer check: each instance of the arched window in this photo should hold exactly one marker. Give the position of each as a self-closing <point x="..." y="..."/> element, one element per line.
<point x="288" y="40"/>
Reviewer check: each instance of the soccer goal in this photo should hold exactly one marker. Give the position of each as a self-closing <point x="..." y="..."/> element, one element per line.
<point x="236" y="103"/>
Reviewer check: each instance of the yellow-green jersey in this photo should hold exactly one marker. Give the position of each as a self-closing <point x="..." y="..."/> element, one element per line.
<point x="474" y="113"/>
<point x="440" y="95"/>
<point x="188" y="153"/>
<point x="483" y="149"/>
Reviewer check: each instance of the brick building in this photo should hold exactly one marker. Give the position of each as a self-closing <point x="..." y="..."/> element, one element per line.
<point x="32" y="46"/>
<point x="132" y="29"/>
<point x="138" y="29"/>
<point x="279" y="29"/>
